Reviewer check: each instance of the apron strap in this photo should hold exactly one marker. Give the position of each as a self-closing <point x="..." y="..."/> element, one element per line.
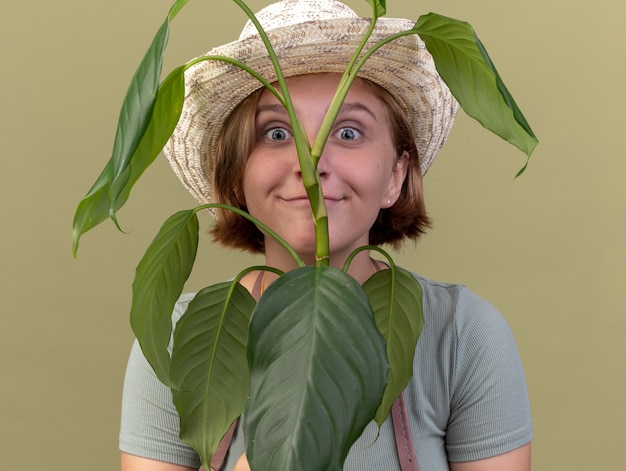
<point x="404" y="439"/>
<point x="219" y="458"/>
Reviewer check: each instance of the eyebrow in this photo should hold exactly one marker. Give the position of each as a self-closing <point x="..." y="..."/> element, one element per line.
<point x="277" y="108"/>
<point x="357" y="106"/>
<point x="352" y="106"/>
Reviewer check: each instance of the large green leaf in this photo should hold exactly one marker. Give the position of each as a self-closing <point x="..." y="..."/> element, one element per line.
<point x="396" y="298"/>
<point x="209" y="365"/>
<point x="464" y="65"/>
<point x="147" y="118"/>
<point x="159" y="281"/>
<point x="318" y="370"/>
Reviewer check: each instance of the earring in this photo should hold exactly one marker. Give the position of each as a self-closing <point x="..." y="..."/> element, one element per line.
<point x="389" y="201"/>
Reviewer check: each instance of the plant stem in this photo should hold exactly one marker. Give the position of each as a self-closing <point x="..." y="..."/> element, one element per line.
<point x="316" y="196"/>
<point x="259" y="224"/>
<point x="242" y="66"/>
<point x="340" y="95"/>
<point x="310" y="177"/>
<point x="244" y="272"/>
<point x="354" y="253"/>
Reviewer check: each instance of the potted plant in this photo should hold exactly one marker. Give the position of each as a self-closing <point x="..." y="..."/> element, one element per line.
<point x="311" y="318"/>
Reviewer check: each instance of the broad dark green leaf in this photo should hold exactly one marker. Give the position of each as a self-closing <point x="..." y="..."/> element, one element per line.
<point x="96" y="205"/>
<point x="379" y="7"/>
<point x="210" y="365"/>
<point x="396" y="298"/>
<point x="159" y="281"/>
<point x="464" y="65"/>
<point x="318" y="369"/>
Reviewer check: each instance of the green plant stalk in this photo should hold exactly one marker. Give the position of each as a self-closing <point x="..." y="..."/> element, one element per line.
<point x="340" y="95"/>
<point x="314" y="188"/>
<point x="356" y="251"/>
<point x="251" y="269"/>
<point x="242" y="66"/>
<point x="310" y="177"/>
<point x="314" y="191"/>
<point x="347" y="79"/>
<point x="261" y="226"/>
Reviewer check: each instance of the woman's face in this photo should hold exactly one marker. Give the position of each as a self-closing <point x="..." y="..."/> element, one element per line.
<point x="359" y="169"/>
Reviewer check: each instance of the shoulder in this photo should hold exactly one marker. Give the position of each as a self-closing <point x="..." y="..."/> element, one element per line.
<point x="466" y="347"/>
<point x="467" y="368"/>
<point x="465" y="329"/>
<point x="454" y="307"/>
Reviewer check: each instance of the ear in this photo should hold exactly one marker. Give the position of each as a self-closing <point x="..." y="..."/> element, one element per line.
<point x="398" y="175"/>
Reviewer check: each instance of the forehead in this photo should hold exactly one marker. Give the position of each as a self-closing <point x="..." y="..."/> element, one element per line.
<point x="317" y="90"/>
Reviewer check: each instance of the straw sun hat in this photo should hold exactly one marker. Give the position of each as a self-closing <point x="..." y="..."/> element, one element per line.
<point x="309" y="36"/>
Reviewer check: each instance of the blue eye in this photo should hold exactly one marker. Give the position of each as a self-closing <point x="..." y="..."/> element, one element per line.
<point x="277" y="134"/>
<point x="348" y="134"/>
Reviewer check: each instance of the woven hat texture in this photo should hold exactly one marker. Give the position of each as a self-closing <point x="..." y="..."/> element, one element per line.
<point x="308" y="36"/>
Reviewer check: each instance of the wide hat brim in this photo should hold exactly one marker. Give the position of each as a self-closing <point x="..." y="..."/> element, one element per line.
<point x="213" y="88"/>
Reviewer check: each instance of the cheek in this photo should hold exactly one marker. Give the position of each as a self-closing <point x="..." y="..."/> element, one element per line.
<point x="377" y="177"/>
<point x="248" y="187"/>
<point x="259" y="177"/>
<point x="248" y="182"/>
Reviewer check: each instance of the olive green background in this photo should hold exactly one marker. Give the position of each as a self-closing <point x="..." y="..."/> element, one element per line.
<point x="547" y="249"/>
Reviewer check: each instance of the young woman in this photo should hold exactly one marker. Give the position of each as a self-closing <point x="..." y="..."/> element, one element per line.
<point x="467" y="405"/>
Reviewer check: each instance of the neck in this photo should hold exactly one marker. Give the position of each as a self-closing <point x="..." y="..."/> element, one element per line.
<point x="360" y="268"/>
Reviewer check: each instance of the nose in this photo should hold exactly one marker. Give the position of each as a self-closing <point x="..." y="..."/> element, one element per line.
<point x="323" y="163"/>
<point x="323" y="167"/>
